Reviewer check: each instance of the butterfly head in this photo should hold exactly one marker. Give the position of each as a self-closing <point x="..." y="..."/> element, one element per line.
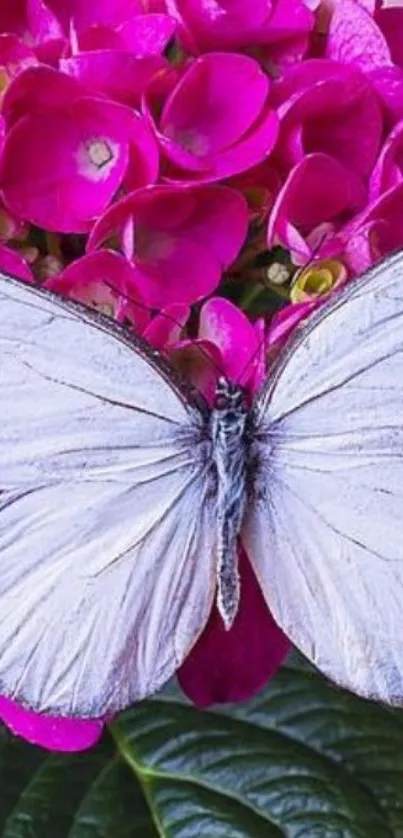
<point x="229" y="396"/>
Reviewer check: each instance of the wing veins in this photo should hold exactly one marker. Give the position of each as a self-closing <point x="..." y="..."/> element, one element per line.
<point x="330" y="526"/>
<point x="103" y="399"/>
<point x="336" y="387"/>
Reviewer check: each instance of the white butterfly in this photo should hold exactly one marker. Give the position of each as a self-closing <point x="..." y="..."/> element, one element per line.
<point x="123" y="495"/>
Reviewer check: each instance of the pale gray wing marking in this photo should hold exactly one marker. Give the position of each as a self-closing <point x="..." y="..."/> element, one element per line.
<point x="325" y="533"/>
<point x="106" y="545"/>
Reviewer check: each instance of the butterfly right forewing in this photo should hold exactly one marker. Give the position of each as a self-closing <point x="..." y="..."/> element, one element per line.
<point x="324" y="528"/>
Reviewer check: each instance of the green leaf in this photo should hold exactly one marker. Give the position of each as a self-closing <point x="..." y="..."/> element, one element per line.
<point x="302" y="760"/>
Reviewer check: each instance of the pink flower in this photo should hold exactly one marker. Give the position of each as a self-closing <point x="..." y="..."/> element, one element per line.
<point x="389" y="167"/>
<point x="141" y="35"/>
<point x="104" y="280"/>
<point x="227" y="343"/>
<point x="318" y="189"/>
<point x="15" y="56"/>
<point x="370" y="38"/>
<point x="179" y="239"/>
<point x="310" y="288"/>
<point x="375" y="232"/>
<point x="35" y="24"/>
<point x="204" y="133"/>
<point x="82" y="14"/>
<point x="49" y="732"/>
<point x="14" y="264"/>
<point x="233" y="26"/>
<point x="65" y="153"/>
<point x="354" y="37"/>
<point x="328" y="107"/>
<point x="117" y="74"/>
<point x="232" y="665"/>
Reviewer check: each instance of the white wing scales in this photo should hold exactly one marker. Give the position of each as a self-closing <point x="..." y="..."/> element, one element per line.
<point x="105" y="579"/>
<point x="326" y="534"/>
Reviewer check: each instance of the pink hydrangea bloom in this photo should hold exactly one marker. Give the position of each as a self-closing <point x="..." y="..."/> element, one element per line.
<point x="318" y="189"/>
<point x="83" y="14"/>
<point x="34" y="23"/>
<point x="370" y="37"/>
<point x="65" y="153"/>
<point x="223" y="25"/>
<point x="179" y="240"/>
<point x="118" y="74"/>
<point x="15" y="56"/>
<point x="375" y="232"/>
<point x="326" y="106"/>
<point x="142" y="35"/>
<point x="204" y="133"/>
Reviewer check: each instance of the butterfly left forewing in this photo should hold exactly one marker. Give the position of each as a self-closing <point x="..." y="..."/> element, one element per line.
<point x="324" y="528"/>
<point x="106" y="554"/>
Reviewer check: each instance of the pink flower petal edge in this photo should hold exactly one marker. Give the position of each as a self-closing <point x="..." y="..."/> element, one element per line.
<point x="54" y="734"/>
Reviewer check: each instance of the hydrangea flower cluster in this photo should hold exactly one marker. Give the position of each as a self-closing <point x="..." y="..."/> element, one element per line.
<point x="207" y="173"/>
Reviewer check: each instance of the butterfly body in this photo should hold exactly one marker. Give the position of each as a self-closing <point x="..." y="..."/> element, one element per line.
<point x="229" y="436"/>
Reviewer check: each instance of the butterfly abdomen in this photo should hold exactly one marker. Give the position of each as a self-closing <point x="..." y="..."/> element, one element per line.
<point x="229" y="446"/>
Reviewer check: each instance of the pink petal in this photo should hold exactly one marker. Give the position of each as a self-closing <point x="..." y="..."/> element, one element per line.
<point x="251" y="150"/>
<point x="217" y="215"/>
<point x="106" y="281"/>
<point x="147" y="34"/>
<point x="289" y="18"/>
<point x="183" y="238"/>
<point x="328" y="107"/>
<point x="38" y="88"/>
<point x="226" y="326"/>
<point x="165" y="329"/>
<point x="199" y="114"/>
<point x="144" y="159"/>
<point x="12" y="16"/>
<point x="84" y="14"/>
<point x="15" y="56"/>
<point x="45" y="28"/>
<point x="388" y="83"/>
<point x="172" y="269"/>
<point x="55" y="734"/>
<point x="355" y="38"/>
<point x="389" y="168"/>
<point x="118" y="75"/>
<point x="318" y="189"/>
<point x="61" y="168"/>
<point x="208" y="26"/>
<point x="233" y="665"/>
<point x="199" y="361"/>
<point x="390" y="22"/>
<point x="14" y="264"/>
<point x="377" y="231"/>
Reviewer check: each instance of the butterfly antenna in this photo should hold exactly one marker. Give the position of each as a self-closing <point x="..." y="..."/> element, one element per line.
<point x="171" y="319"/>
<point x="307" y="265"/>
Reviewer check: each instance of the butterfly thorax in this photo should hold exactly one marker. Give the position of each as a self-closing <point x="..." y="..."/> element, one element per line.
<point x="228" y="426"/>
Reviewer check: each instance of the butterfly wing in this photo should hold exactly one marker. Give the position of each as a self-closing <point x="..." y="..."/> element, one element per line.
<point x="325" y="528"/>
<point x="106" y="544"/>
